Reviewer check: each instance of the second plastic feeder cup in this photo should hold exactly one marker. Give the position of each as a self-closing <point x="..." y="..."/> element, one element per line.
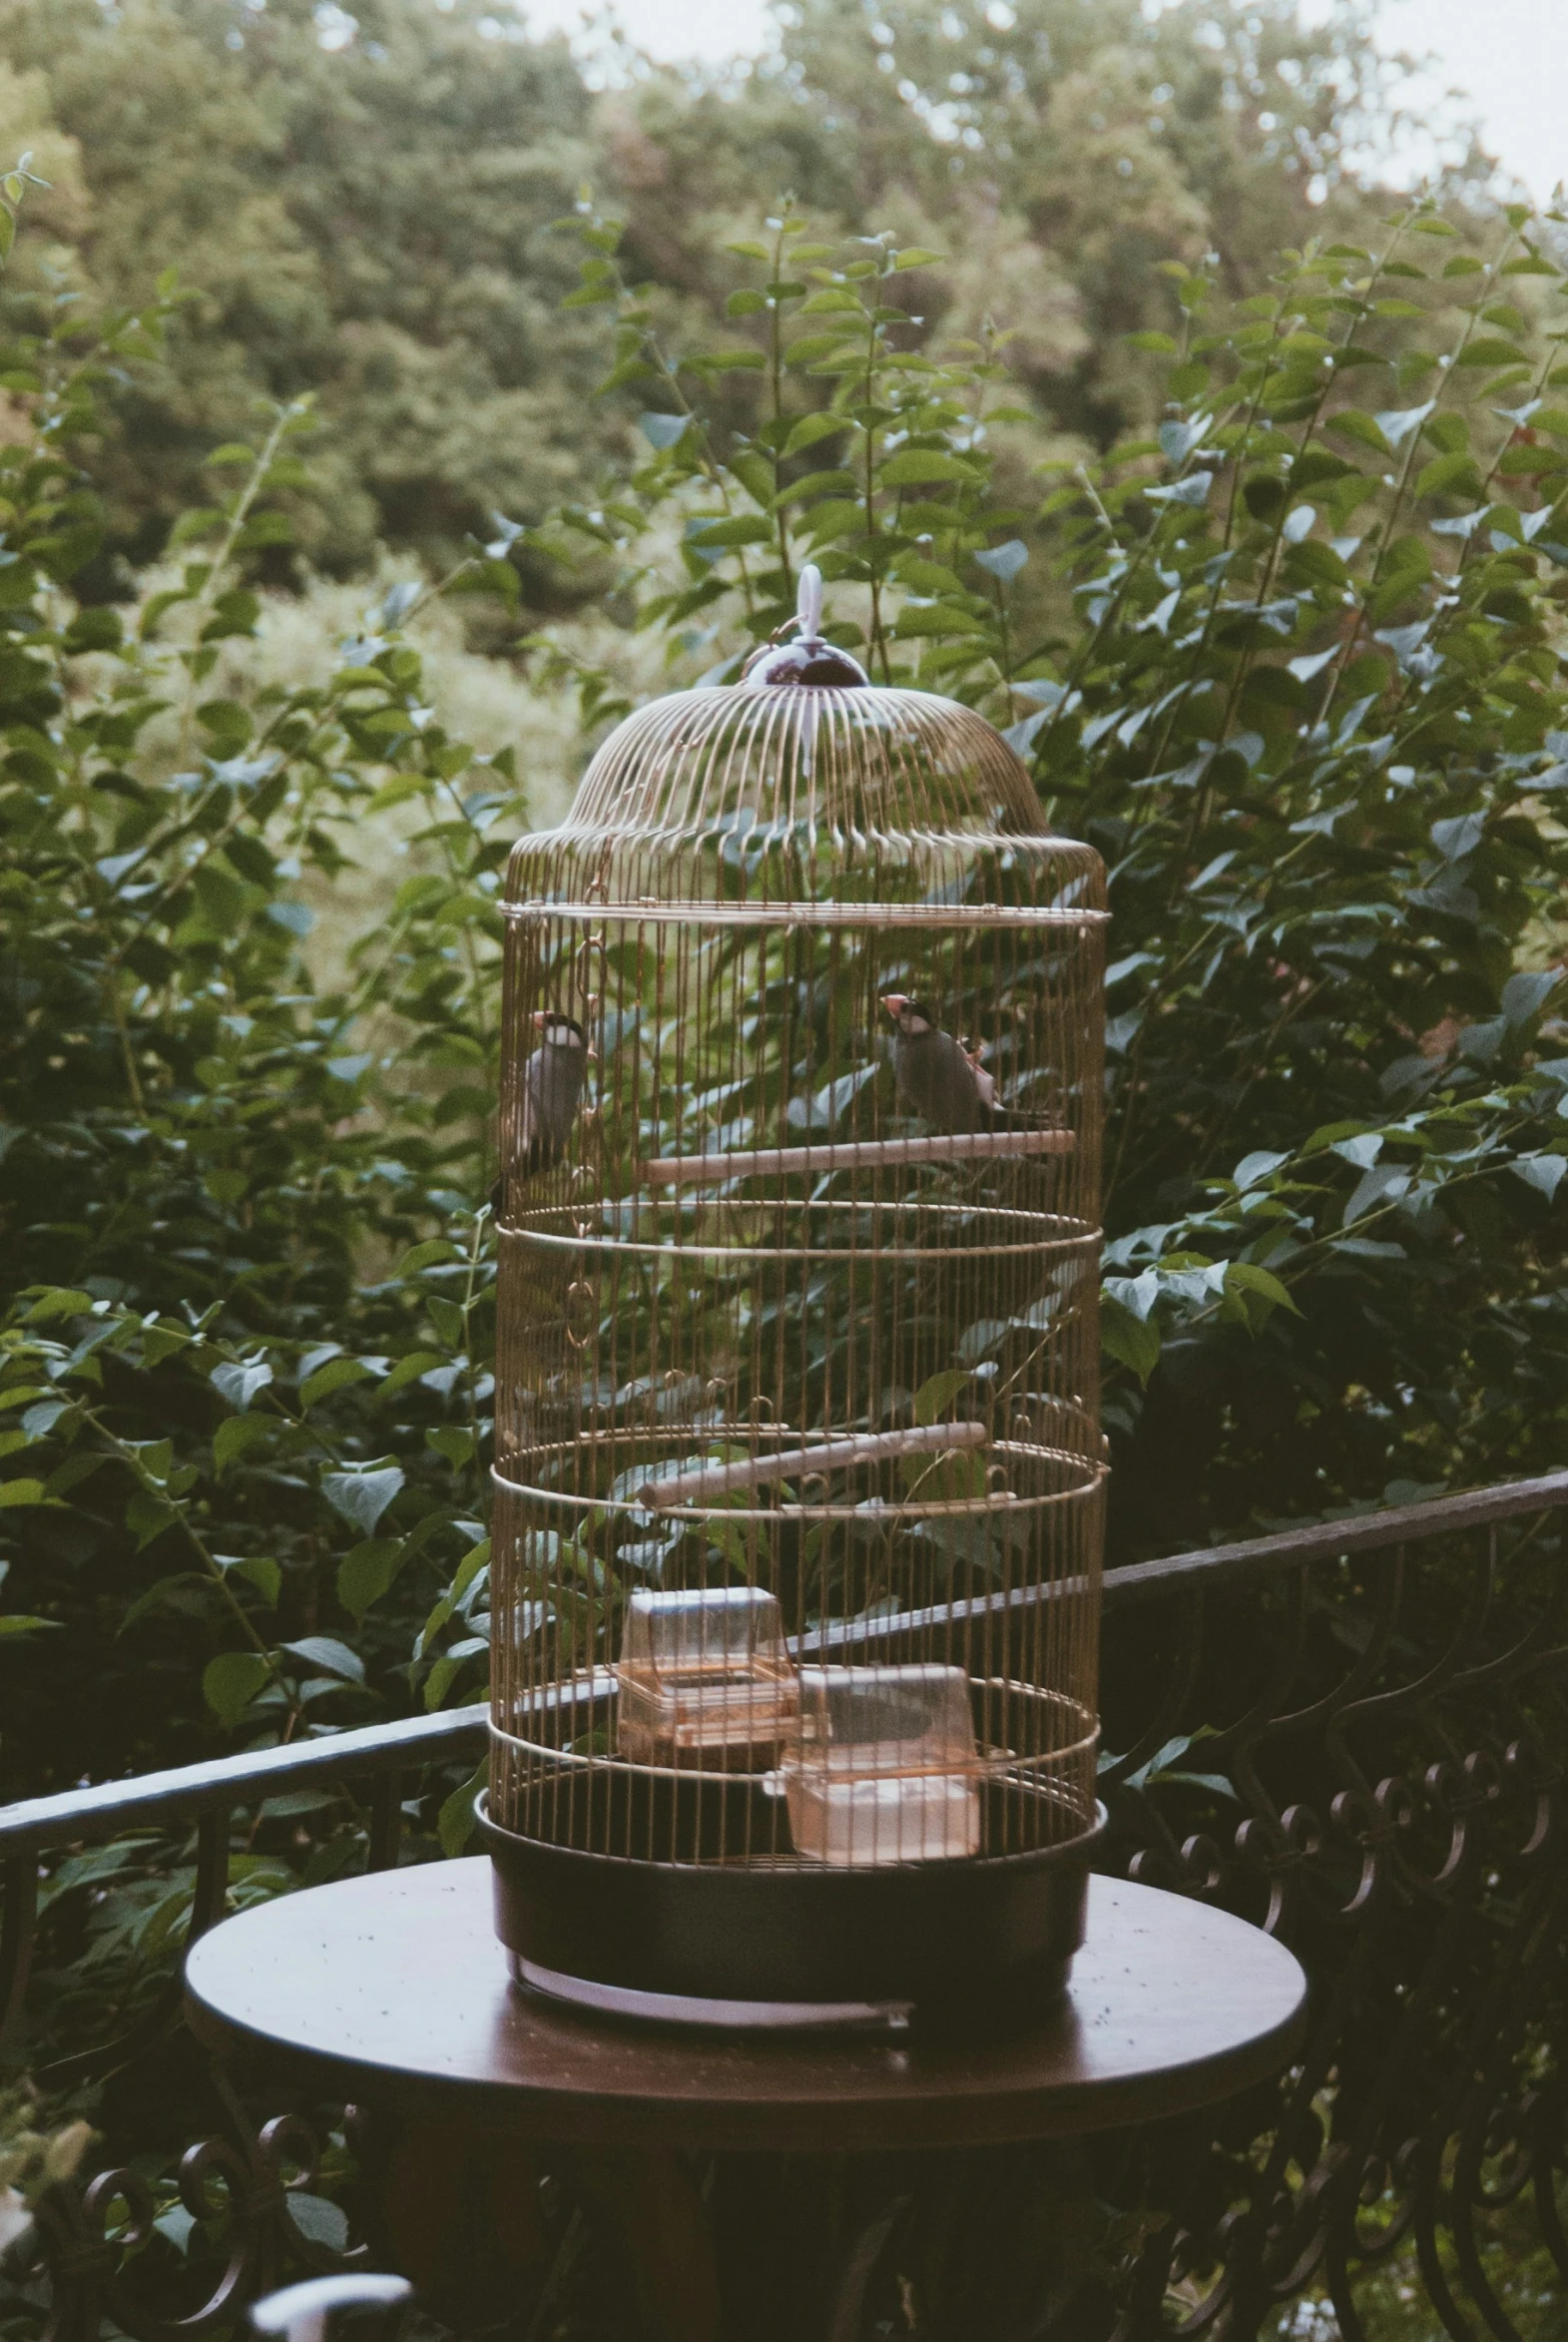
<point x="705" y="1680"/>
<point x="885" y="1768"/>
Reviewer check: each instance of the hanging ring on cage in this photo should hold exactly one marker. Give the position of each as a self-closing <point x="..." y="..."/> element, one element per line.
<point x="813" y="1491"/>
<point x="714" y="1394"/>
<point x="581" y="1317"/>
<point x="592" y="964"/>
<point x="1021" y="1428"/>
<point x="996" y="1482"/>
<point x="583" y="1199"/>
<point x="762" y="1413"/>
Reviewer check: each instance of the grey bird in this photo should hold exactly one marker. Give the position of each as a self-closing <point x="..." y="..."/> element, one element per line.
<point x="552" y="1091"/>
<point x="938" y="1079"/>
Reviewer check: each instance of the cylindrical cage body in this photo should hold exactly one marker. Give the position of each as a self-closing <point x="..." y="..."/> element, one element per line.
<point x="799" y="1479"/>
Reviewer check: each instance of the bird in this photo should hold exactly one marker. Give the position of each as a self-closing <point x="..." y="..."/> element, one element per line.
<point x="940" y="1080"/>
<point x="552" y="1090"/>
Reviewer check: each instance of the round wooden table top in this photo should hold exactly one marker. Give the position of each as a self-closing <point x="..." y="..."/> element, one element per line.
<point x="391" y="1989"/>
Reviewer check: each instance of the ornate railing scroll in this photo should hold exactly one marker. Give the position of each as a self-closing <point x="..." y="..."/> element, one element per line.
<point x="1353" y="1733"/>
<point x="1378" y="1783"/>
<point x="84" y="2258"/>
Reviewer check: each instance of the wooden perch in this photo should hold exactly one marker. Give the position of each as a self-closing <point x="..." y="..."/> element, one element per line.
<point x="851" y="1155"/>
<point x="716" y="1480"/>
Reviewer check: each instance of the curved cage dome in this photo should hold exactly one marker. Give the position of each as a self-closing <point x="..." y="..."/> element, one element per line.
<point x="785" y="790"/>
<point x="799" y="1463"/>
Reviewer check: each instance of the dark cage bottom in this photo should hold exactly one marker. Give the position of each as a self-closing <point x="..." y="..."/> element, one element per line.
<point x="791" y="1942"/>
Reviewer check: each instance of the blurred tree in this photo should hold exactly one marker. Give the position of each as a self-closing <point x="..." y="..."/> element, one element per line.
<point x="1058" y="152"/>
<point x="361" y="208"/>
<point x="361" y="205"/>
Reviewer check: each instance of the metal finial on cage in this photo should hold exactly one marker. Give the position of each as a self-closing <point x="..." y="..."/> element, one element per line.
<point x="799" y="1467"/>
<point x="809" y="604"/>
<point x="809" y="658"/>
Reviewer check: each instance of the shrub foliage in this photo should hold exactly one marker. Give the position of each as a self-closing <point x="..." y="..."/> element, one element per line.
<point x="1292" y="664"/>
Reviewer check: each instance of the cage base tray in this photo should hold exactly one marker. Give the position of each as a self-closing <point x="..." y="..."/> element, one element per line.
<point x="798" y="1944"/>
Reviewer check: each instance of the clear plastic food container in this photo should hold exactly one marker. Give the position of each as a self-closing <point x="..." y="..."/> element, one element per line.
<point x="705" y="1679"/>
<point x="884" y="1769"/>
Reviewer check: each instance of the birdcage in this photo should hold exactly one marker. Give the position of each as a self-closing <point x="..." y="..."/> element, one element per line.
<point x="798" y="1479"/>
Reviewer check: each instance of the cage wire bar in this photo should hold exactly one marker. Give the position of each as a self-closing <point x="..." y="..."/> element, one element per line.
<point x="798" y="1479"/>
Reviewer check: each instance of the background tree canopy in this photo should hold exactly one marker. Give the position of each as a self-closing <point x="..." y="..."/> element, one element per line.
<point x="360" y="206"/>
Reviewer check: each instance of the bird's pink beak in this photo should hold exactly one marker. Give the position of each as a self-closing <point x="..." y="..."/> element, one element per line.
<point x="895" y="1003"/>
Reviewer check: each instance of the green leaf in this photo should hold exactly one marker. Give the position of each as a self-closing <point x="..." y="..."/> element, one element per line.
<point x="189" y="1583"/>
<point x="1352" y="423"/>
<point x="807" y="349"/>
<point x="1134" y="1342"/>
<point x="1542" y="1172"/>
<point x="367" y="1573"/>
<point x="1003" y="561"/>
<point x="235" y="1435"/>
<point x="448" y="1318"/>
<point x="336" y="1375"/>
<point x="409" y="1369"/>
<point x="934" y="1398"/>
<point x="319" y="2218"/>
<point x="812" y="428"/>
<point x="1247" y="1277"/>
<point x="915" y="258"/>
<point x="455" y="1824"/>
<point x="148" y="1515"/>
<point x="1449" y="475"/>
<point x="362" y="1496"/>
<point x="1490" y="351"/>
<point x="240" y="1383"/>
<point x="924" y="467"/>
<point x="453" y="1440"/>
<point x="258" y="1569"/>
<point x="435" y="1252"/>
<point x="230" y="1682"/>
<point x="329" y="1655"/>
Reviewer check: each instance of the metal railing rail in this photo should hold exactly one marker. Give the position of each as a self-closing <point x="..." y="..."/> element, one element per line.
<point x="85" y="1817"/>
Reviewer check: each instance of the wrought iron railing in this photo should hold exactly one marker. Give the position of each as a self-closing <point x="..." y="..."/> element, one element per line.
<point x="1351" y="1732"/>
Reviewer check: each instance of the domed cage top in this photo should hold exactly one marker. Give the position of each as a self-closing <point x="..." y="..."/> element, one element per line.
<point x="799" y="1463"/>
